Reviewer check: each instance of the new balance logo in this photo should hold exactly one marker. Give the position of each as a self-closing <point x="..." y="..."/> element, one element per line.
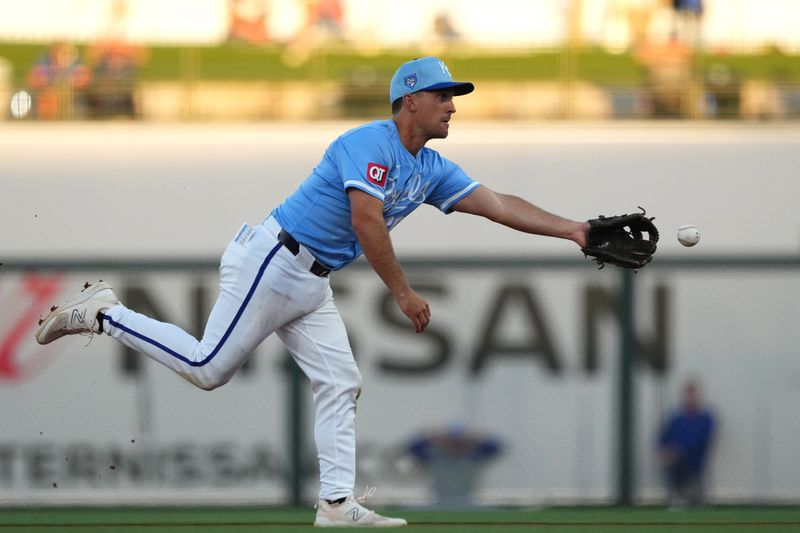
<point x="78" y="317"/>
<point x="355" y="514"/>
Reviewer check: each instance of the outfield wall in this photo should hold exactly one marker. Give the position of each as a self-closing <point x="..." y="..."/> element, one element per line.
<point x="126" y="189"/>
<point x="527" y="355"/>
<point x="526" y="352"/>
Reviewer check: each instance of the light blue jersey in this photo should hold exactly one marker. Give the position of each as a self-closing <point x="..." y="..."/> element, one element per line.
<point x="370" y="158"/>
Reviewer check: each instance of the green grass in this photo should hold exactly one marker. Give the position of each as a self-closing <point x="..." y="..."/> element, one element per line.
<point x="563" y="519"/>
<point x="249" y="63"/>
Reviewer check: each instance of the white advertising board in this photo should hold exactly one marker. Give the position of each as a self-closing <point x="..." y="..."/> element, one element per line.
<point x="509" y="353"/>
<point x="543" y="341"/>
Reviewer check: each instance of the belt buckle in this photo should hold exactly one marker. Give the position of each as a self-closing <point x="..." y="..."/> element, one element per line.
<point x="318" y="269"/>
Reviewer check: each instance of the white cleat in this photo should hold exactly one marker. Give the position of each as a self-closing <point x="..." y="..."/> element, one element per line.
<point x="78" y="315"/>
<point x="350" y="513"/>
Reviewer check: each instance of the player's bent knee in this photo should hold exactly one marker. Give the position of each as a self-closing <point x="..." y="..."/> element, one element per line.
<point x="353" y="383"/>
<point x="348" y="377"/>
<point x="207" y="381"/>
<point x="347" y="383"/>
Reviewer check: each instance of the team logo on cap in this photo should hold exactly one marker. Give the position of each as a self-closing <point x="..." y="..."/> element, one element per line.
<point x="410" y="81"/>
<point x="377" y="174"/>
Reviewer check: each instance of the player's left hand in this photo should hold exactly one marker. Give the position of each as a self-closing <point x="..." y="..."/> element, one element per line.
<point x="628" y="241"/>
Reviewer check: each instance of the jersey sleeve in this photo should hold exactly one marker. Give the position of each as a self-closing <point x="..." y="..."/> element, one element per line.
<point x="363" y="158"/>
<point x="453" y="184"/>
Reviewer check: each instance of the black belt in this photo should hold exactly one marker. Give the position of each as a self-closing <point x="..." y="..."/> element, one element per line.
<point x="317" y="268"/>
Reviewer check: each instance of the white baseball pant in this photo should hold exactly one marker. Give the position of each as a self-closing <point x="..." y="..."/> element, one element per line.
<point x="265" y="289"/>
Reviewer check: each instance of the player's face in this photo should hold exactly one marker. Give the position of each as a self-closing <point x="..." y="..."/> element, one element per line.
<point x="434" y="111"/>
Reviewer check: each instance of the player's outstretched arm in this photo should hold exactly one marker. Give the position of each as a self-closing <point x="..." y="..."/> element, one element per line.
<point x="521" y="215"/>
<point x="373" y="236"/>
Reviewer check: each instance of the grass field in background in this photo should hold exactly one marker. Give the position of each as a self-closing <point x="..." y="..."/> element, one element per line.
<point x="562" y="519"/>
<point x="274" y="63"/>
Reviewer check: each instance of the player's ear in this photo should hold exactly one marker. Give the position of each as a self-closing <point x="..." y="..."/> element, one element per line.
<point x="410" y="102"/>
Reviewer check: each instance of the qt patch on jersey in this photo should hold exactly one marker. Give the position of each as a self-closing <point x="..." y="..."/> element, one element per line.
<point x="377" y="174"/>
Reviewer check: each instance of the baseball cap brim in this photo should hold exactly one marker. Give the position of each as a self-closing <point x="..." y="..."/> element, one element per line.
<point x="460" y="88"/>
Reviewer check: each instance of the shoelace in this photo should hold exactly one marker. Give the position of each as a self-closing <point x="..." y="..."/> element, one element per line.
<point x="369" y="492"/>
<point x="89" y="333"/>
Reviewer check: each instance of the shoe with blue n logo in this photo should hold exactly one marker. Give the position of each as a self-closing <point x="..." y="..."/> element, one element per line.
<point x="350" y="513"/>
<point x="78" y="315"/>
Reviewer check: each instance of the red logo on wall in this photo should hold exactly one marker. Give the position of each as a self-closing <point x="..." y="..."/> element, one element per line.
<point x="377" y="174"/>
<point x="20" y="357"/>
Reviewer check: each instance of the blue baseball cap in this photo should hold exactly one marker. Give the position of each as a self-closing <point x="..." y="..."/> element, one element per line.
<point x="425" y="74"/>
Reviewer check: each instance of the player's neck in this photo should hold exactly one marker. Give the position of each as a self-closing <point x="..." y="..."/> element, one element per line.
<point x="410" y="137"/>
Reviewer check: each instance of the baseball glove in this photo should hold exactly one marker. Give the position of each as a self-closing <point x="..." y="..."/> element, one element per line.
<point x="628" y="241"/>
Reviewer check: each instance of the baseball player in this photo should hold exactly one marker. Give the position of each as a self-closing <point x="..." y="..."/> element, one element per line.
<point x="274" y="275"/>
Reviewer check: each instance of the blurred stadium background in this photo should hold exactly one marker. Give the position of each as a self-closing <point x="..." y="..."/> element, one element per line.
<point x="321" y="60"/>
<point x="155" y="128"/>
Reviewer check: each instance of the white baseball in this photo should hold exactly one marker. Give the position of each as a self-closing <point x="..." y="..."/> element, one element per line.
<point x="688" y="235"/>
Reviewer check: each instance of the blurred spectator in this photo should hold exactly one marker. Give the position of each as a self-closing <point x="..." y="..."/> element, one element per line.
<point x="324" y="24"/>
<point x="115" y="69"/>
<point x="327" y="16"/>
<point x="688" y="18"/>
<point x="59" y="80"/>
<point x="723" y="92"/>
<point x="5" y="86"/>
<point x="454" y="457"/>
<point x="444" y="30"/>
<point x="630" y="21"/>
<point x="248" y="22"/>
<point x="669" y="76"/>
<point x="683" y="447"/>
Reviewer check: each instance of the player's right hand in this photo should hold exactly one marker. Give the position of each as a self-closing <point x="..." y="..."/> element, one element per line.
<point x="416" y="308"/>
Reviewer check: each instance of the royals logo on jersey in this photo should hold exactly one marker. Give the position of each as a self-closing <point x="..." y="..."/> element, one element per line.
<point x="377" y="174"/>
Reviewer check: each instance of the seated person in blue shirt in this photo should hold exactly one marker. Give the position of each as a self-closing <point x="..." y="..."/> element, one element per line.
<point x="684" y="444"/>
